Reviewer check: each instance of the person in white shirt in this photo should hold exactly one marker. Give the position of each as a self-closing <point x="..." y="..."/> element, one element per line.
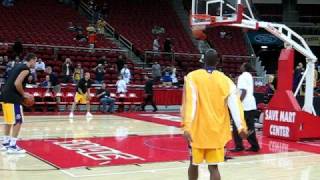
<point x="246" y="86"/>
<point x="156" y="44"/>
<point x="125" y="73"/>
<point x="40" y="66"/>
<point x="121" y="85"/>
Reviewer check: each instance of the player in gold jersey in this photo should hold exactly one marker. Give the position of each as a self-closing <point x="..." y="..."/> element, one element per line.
<point x="208" y="97"/>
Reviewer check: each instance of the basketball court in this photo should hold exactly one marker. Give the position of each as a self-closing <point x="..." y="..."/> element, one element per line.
<point x="150" y="146"/>
<point x="140" y="146"/>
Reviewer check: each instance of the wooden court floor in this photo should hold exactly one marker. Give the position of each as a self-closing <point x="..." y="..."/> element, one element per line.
<point x="284" y="165"/>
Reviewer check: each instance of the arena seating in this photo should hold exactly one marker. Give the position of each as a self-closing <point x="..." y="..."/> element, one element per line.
<point x="47" y="101"/>
<point x="34" y="23"/>
<point x="269" y="12"/>
<point x="309" y="13"/>
<point x="135" y="19"/>
<point x="231" y="44"/>
<point x="88" y="61"/>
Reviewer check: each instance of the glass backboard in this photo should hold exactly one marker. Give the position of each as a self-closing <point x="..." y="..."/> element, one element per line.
<point x="214" y="12"/>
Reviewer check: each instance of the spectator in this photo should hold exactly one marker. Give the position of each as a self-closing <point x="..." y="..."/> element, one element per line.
<point x="166" y="76"/>
<point x="157" y="30"/>
<point x="125" y="72"/>
<point x="99" y="73"/>
<point x="269" y="90"/>
<point x="148" y="96"/>
<point x="81" y="37"/>
<point x="120" y="63"/>
<point x="30" y="81"/>
<point x="156" y="71"/>
<point x="40" y="66"/>
<point x="17" y="47"/>
<point x="103" y="61"/>
<point x="46" y="83"/>
<point x="92" y="36"/>
<point x="56" y="88"/>
<point x="121" y="85"/>
<point x="105" y="99"/>
<point x="72" y="27"/>
<point x="101" y="26"/>
<point x="156" y="44"/>
<point x="174" y="76"/>
<point x="78" y="73"/>
<point x="33" y="72"/>
<point x="167" y="47"/>
<point x="298" y="73"/>
<point x="67" y="71"/>
<point x="5" y="60"/>
<point x="10" y="66"/>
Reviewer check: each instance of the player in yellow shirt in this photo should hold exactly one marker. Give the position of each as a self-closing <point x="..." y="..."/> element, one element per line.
<point x="208" y="97"/>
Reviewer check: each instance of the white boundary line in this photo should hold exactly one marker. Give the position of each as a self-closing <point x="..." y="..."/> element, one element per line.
<point x="184" y="167"/>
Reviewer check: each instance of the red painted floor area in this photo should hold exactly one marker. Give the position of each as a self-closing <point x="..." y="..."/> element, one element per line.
<point x="108" y="151"/>
<point x="168" y="119"/>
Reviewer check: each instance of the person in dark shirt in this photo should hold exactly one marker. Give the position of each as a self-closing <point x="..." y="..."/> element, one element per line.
<point x="148" y="96"/>
<point x="30" y="80"/>
<point x="12" y="96"/>
<point x="67" y="71"/>
<point x="83" y="94"/>
<point x="120" y="63"/>
<point x="99" y="73"/>
<point x="17" y="48"/>
<point x="54" y="84"/>
<point x="105" y="99"/>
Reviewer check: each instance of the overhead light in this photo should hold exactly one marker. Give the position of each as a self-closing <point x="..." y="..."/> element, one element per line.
<point x="264" y="47"/>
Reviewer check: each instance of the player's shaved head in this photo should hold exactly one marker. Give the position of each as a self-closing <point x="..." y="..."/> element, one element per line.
<point x="211" y="57"/>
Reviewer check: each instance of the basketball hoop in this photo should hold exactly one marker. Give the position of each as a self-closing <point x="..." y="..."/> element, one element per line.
<point x="231" y="13"/>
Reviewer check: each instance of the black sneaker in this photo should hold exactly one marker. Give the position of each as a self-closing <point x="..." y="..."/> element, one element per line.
<point x="253" y="149"/>
<point x="237" y="150"/>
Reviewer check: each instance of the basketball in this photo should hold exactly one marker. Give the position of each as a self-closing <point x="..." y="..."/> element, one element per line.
<point x="28" y="100"/>
<point x="198" y="32"/>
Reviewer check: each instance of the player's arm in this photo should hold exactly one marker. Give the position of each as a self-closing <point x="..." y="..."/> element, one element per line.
<point x="235" y="108"/>
<point x="79" y="87"/>
<point x="102" y="93"/>
<point x="188" y="108"/>
<point x="242" y="87"/>
<point x="19" y="81"/>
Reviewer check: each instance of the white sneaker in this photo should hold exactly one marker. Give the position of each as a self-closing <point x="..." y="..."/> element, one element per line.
<point x="71" y="115"/>
<point x="15" y="150"/>
<point x="5" y="147"/>
<point x="89" y="115"/>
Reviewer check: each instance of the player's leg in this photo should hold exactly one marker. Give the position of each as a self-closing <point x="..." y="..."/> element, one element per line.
<point x="197" y="157"/>
<point x="104" y="102"/>
<point x="6" y="137"/>
<point x="86" y="100"/>
<point x="77" y="98"/>
<point x="193" y="171"/>
<point x="8" y="116"/>
<point x="252" y="138"/>
<point x="153" y="104"/>
<point x="214" y="172"/>
<point x="18" y="116"/>
<point x="213" y="157"/>
<point x="237" y="140"/>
